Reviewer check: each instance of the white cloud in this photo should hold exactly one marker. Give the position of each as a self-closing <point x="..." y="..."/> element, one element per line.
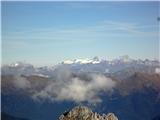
<point x="21" y="83"/>
<point x="66" y="87"/>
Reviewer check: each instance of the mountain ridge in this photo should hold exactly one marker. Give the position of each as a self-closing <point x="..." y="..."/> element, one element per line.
<point x="116" y="67"/>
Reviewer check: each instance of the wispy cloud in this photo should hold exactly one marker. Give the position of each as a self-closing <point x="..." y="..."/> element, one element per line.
<point x="102" y="29"/>
<point x="21" y="82"/>
<point x="130" y="28"/>
<point x="48" y="40"/>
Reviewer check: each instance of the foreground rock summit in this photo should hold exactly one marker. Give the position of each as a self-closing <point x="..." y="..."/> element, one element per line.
<point x="84" y="113"/>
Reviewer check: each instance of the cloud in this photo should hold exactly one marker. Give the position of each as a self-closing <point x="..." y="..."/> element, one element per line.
<point x="100" y="29"/>
<point x="127" y="27"/>
<point x="21" y="82"/>
<point x="77" y="88"/>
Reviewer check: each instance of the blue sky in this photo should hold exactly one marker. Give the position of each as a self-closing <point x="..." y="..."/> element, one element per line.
<point x="45" y="33"/>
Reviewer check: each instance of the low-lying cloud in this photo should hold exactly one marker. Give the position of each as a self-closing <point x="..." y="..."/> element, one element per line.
<point x="67" y="86"/>
<point x="21" y="82"/>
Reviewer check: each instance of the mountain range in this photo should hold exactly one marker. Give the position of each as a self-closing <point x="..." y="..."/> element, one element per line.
<point x="116" y="66"/>
<point x="129" y="88"/>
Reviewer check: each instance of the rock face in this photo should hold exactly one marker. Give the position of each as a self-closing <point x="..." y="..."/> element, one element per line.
<point x="84" y="113"/>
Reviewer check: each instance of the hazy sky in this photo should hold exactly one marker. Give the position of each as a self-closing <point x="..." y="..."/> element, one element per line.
<point x="44" y="33"/>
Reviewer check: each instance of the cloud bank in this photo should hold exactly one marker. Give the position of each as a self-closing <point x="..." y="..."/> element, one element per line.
<point x="21" y="82"/>
<point x="75" y="87"/>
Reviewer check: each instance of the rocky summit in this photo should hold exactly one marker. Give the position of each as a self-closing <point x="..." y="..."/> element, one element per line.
<point x="84" y="113"/>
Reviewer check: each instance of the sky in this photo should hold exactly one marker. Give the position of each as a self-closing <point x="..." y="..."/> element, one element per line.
<point x="46" y="33"/>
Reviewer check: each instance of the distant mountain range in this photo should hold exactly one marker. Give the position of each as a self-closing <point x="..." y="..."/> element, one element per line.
<point x="129" y="88"/>
<point x="115" y="67"/>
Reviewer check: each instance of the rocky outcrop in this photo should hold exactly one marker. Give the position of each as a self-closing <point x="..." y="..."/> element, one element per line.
<point x="84" y="113"/>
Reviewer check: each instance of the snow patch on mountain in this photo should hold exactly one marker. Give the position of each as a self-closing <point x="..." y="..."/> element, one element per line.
<point x="95" y="60"/>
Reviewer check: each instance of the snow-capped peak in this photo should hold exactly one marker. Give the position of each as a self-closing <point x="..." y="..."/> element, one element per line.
<point x="95" y="60"/>
<point x="68" y="62"/>
<point x="20" y="64"/>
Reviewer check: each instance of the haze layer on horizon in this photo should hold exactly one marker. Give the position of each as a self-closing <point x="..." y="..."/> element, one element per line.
<point x="44" y="33"/>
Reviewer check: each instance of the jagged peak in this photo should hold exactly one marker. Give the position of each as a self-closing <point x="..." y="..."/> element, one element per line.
<point x="95" y="60"/>
<point x="85" y="113"/>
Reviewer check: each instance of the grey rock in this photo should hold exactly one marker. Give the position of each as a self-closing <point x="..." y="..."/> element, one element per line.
<point x="84" y="113"/>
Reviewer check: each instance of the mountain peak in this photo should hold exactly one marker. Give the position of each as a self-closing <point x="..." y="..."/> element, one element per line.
<point x="85" y="113"/>
<point x="20" y="64"/>
<point x="95" y="60"/>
